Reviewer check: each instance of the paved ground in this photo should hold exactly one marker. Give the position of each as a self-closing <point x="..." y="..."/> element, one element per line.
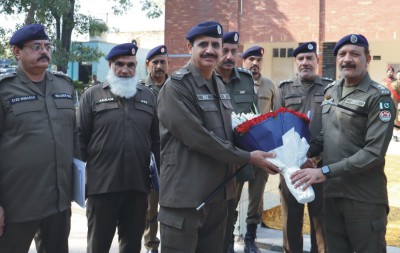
<point x="269" y="240"/>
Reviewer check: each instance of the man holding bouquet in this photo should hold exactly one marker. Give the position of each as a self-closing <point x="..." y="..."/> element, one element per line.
<point x="239" y="84"/>
<point x="197" y="153"/>
<point x="357" y="116"/>
<point x="304" y="94"/>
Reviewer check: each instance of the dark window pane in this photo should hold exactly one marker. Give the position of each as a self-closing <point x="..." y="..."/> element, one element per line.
<point x="282" y="53"/>
<point x="275" y="52"/>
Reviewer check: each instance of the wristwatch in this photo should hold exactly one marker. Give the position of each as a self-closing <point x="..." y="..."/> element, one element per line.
<point x="326" y="171"/>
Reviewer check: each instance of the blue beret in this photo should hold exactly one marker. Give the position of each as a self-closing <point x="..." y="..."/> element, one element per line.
<point x="354" y="39"/>
<point x="208" y="28"/>
<point x="308" y="47"/>
<point x="126" y="49"/>
<point x="160" y="50"/>
<point x="231" y="38"/>
<point x="253" y="51"/>
<point x="27" y="33"/>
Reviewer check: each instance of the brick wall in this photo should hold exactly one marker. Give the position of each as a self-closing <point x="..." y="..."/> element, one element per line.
<point x="271" y="21"/>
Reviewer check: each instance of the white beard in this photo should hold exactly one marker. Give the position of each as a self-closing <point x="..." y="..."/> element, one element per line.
<point x="122" y="86"/>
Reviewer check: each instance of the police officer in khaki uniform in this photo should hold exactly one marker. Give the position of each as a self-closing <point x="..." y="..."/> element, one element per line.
<point x="239" y="84"/>
<point x="264" y="87"/>
<point x="357" y="120"/>
<point x="197" y="154"/>
<point x="304" y="94"/>
<point x="157" y="66"/>
<point x="38" y="140"/>
<point x="118" y="130"/>
<point x="265" y="90"/>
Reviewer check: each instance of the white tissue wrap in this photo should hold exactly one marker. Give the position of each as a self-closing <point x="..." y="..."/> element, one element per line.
<point x="289" y="157"/>
<point x="239" y="118"/>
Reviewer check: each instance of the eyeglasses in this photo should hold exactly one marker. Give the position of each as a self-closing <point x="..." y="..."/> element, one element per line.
<point x="40" y="47"/>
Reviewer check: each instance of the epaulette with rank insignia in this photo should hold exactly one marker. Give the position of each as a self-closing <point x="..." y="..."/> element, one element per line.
<point x="6" y="76"/>
<point x="86" y="88"/>
<point x="62" y="74"/>
<point x="243" y="70"/>
<point x="383" y="91"/>
<point x="286" y="81"/>
<point x="330" y="85"/>
<point x="179" y="74"/>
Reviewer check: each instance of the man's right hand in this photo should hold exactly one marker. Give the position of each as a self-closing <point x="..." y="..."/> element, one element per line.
<point x="259" y="159"/>
<point x="1" y="220"/>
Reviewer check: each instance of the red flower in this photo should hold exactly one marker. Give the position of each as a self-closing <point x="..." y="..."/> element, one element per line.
<point x="245" y="126"/>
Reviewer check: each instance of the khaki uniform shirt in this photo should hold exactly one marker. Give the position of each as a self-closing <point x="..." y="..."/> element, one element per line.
<point x="355" y="144"/>
<point x="38" y="138"/>
<point x="265" y="89"/>
<point x="117" y="136"/>
<point x="196" y="133"/>
<point x="298" y="97"/>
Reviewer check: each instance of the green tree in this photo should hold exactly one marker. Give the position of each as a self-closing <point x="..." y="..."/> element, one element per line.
<point x="154" y="8"/>
<point x="61" y="17"/>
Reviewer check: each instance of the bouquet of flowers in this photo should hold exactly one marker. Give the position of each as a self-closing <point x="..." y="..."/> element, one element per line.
<point x="284" y="132"/>
<point x="239" y="118"/>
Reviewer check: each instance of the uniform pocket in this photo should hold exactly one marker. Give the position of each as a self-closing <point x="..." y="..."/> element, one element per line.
<point x="64" y="104"/>
<point x="243" y="98"/>
<point x="378" y="225"/>
<point x="208" y="106"/>
<point x="107" y="113"/>
<point x="292" y="101"/>
<point x="145" y="108"/>
<point x="26" y="107"/>
<point x="171" y="220"/>
<point x="325" y="109"/>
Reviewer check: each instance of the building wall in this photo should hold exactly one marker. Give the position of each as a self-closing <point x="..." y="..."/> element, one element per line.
<point x="289" y="22"/>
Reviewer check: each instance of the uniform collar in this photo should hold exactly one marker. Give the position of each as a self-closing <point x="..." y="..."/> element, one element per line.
<point x="364" y="85"/>
<point x="258" y="81"/>
<point x="234" y="75"/>
<point x="199" y="79"/>
<point x="317" y="81"/>
<point x="24" y="78"/>
<point x="149" y="81"/>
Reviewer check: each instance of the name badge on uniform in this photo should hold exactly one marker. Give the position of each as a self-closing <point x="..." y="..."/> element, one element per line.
<point x="62" y="96"/>
<point x="240" y="92"/>
<point x="20" y="99"/>
<point x="354" y="102"/>
<point x="225" y="96"/>
<point x="204" y="97"/>
<point x="105" y="100"/>
<point x="292" y="95"/>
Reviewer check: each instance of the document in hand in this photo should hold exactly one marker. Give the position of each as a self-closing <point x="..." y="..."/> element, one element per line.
<point x="78" y="182"/>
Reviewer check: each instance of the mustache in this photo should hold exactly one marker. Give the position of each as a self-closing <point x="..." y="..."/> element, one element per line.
<point x="209" y="56"/>
<point x="43" y="57"/>
<point x="229" y="62"/>
<point x="348" y="66"/>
